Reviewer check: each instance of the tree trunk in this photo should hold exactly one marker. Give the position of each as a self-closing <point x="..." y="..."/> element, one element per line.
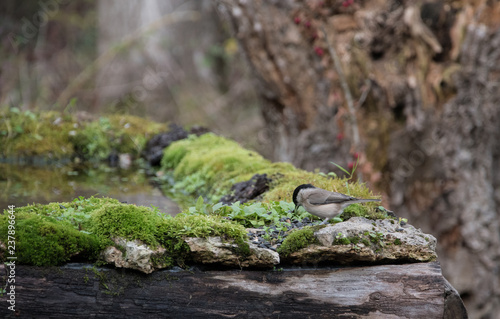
<point x="145" y="59"/>
<point x="402" y="291"/>
<point x="418" y="82"/>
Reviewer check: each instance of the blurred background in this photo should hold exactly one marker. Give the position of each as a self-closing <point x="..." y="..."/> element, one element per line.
<point x="170" y="61"/>
<point x="406" y="90"/>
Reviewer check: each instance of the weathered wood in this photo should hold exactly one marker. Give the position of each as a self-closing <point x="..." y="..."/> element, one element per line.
<point x="389" y="291"/>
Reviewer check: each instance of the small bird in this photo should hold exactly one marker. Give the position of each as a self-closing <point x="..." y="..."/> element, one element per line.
<point x="323" y="203"/>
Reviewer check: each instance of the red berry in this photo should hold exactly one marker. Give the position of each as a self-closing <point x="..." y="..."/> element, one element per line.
<point x="308" y="24"/>
<point x="296" y="20"/>
<point x="319" y="51"/>
<point x="340" y="137"/>
<point x="347" y="3"/>
<point x="355" y="155"/>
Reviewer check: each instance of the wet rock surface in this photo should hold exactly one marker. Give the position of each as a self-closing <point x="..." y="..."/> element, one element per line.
<point x="244" y="191"/>
<point x="154" y="147"/>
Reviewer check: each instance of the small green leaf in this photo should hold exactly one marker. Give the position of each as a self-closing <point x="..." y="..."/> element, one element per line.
<point x="217" y="206"/>
<point x="19" y="129"/>
<point x="199" y="204"/>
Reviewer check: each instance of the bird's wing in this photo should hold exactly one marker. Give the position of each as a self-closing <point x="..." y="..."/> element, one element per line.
<point x="322" y="197"/>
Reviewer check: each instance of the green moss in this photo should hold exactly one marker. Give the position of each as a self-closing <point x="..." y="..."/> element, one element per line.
<point x="25" y="134"/>
<point x="44" y="241"/>
<point x="297" y="240"/>
<point x="57" y="136"/>
<point x="54" y="233"/>
<point x="209" y="165"/>
<point x="171" y="231"/>
<point x="127" y="221"/>
<point x="397" y="241"/>
<point x="342" y="240"/>
<point x="77" y="213"/>
<point x="119" y="133"/>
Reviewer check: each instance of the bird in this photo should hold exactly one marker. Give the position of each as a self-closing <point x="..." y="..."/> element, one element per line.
<point x="322" y="203"/>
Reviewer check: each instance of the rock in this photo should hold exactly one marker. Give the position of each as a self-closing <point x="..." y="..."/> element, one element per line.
<point x="363" y="240"/>
<point x="213" y="250"/>
<point x="247" y="190"/>
<point x="137" y="256"/>
<point x="357" y="240"/>
<point x="154" y="148"/>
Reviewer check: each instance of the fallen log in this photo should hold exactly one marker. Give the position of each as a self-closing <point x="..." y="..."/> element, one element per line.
<point x="415" y="290"/>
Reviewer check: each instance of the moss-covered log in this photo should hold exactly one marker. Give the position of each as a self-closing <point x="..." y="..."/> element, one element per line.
<point x="402" y="291"/>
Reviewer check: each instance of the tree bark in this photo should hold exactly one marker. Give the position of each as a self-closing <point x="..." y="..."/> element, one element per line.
<point x="423" y="77"/>
<point x="391" y="291"/>
<point x="447" y="182"/>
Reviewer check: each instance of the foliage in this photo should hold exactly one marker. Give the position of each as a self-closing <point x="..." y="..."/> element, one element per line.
<point x="257" y="214"/>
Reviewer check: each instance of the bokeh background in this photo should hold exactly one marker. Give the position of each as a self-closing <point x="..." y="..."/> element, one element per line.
<point x="408" y="90"/>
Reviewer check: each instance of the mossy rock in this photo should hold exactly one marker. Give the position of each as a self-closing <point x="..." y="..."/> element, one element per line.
<point x="44" y="241"/>
<point x="209" y="165"/>
<point x="54" y="135"/>
<point x="297" y="240"/>
<point x="56" y="233"/>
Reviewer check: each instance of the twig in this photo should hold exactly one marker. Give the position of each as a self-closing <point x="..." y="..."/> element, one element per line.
<point x="345" y="88"/>
<point x="364" y="95"/>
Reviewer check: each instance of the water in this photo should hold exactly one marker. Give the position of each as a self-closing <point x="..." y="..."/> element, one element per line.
<point x="21" y="185"/>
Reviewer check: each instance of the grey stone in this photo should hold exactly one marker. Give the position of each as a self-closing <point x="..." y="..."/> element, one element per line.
<point x="213" y="250"/>
<point x="364" y="240"/>
<point x="137" y="255"/>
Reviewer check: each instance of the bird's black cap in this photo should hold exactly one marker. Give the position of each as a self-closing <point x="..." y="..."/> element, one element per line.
<point x="297" y="190"/>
